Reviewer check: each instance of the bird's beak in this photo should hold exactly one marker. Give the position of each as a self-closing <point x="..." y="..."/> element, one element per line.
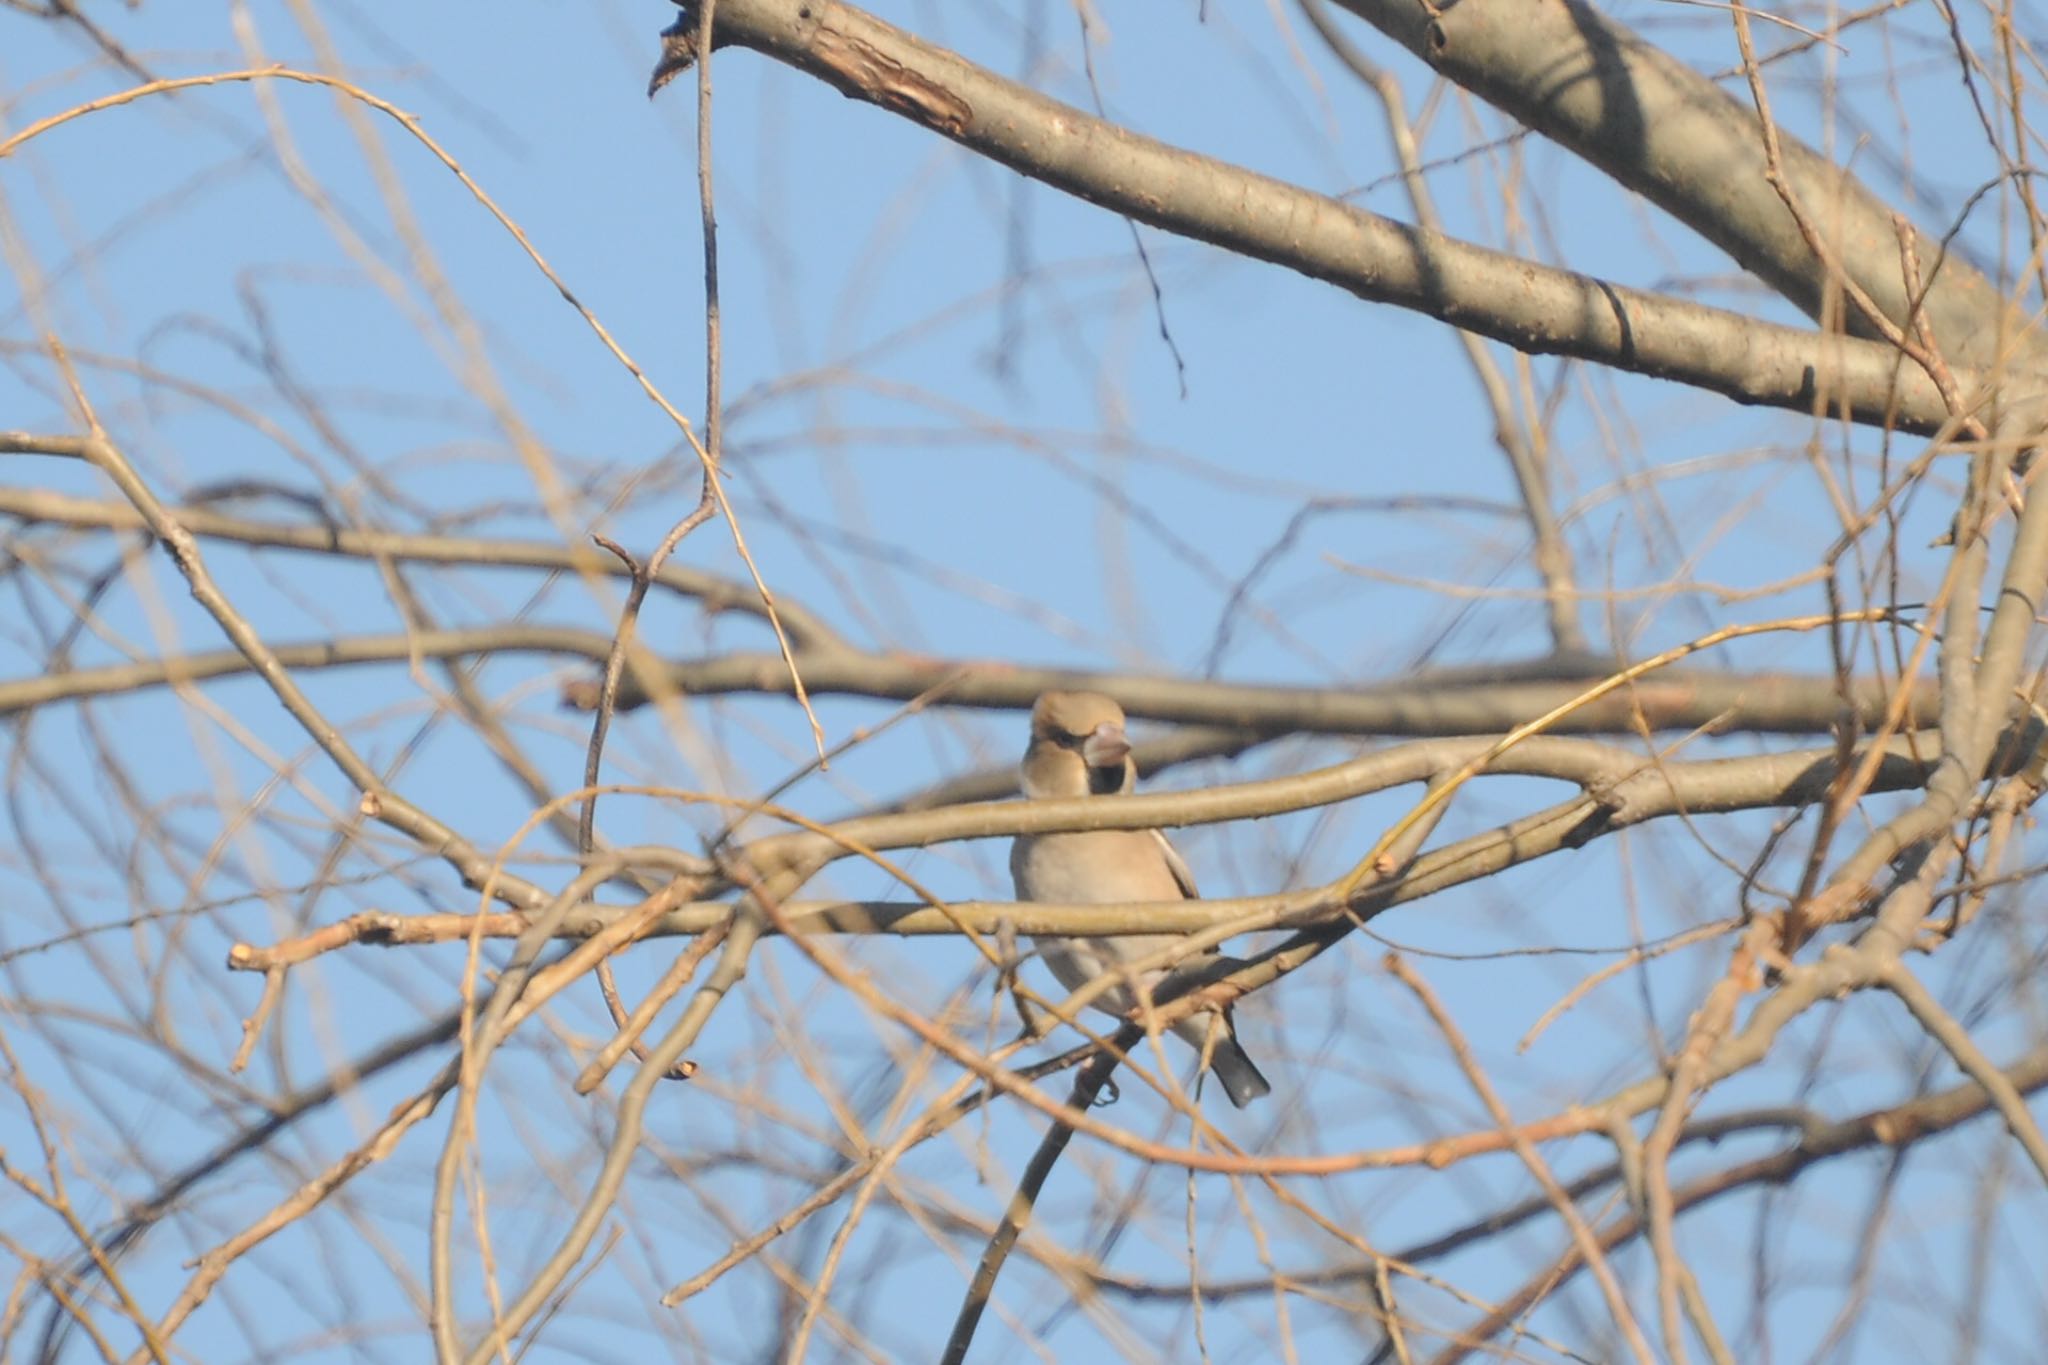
<point x="1106" y="747"/>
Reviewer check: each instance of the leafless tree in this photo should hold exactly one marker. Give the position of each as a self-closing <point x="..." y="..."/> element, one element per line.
<point x="502" y="855"/>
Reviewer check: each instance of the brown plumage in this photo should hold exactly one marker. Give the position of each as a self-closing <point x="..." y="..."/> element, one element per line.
<point x="1078" y="748"/>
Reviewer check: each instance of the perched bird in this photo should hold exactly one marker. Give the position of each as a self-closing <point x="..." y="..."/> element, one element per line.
<point x="1078" y="748"/>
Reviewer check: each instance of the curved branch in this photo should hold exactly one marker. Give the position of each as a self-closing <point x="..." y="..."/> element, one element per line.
<point x="22" y="694"/>
<point x="717" y="594"/>
<point x="1897" y="1126"/>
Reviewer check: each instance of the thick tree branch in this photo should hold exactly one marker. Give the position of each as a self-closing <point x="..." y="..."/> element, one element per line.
<point x="1531" y="307"/>
<point x="1629" y="793"/>
<point x="1463" y="701"/>
<point x="1669" y="133"/>
<point x="1453" y="702"/>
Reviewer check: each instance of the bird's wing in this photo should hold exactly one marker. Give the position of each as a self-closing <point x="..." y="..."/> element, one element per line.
<point x="1178" y="866"/>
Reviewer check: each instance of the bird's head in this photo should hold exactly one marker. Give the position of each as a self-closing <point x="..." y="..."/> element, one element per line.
<point x="1078" y="747"/>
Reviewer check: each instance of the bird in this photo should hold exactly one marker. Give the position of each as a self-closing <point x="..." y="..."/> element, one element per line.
<point x="1078" y="748"/>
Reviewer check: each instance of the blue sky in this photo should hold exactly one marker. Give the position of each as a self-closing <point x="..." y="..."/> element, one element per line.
<point x="954" y="429"/>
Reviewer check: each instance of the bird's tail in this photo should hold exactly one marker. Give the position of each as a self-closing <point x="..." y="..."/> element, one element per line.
<point x="1228" y="1063"/>
<point x="1241" y="1081"/>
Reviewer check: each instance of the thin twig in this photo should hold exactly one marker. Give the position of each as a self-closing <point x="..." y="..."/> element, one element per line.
<point x="1956" y="1041"/>
<point x="1087" y="1085"/>
<point x="1582" y="1235"/>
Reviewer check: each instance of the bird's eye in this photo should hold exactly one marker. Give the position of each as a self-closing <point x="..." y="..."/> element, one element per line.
<point x="1067" y="741"/>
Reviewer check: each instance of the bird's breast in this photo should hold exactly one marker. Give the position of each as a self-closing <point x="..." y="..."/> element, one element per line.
<point x="1098" y="867"/>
